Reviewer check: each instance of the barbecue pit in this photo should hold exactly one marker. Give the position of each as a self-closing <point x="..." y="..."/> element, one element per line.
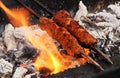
<point x="85" y="71"/>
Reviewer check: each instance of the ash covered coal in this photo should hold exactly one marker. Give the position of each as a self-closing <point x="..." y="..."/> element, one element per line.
<point x="16" y="54"/>
<point x="104" y="25"/>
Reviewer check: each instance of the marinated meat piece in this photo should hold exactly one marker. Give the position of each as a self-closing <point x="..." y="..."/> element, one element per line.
<point x="69" y="42"/>
<point x="64" y="19"/>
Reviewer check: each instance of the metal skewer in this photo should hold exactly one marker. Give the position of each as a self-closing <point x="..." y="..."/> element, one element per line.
<point x="102" y="54"/>
<point x="93" y="62"/>
<point x="29" y="9"/>
<point x="44" y="7"/>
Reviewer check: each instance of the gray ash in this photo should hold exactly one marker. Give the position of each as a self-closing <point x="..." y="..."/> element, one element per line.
<point x="104" y="25"/>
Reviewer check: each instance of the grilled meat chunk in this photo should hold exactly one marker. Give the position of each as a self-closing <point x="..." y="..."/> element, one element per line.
<point x="69" y="42"/>
<point x="64" y="19"/>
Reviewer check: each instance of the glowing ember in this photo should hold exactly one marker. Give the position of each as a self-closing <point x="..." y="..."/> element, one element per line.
<point x="49" y="56"/>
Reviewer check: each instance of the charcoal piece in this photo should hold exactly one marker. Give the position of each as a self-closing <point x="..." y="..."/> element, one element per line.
<point x="33" y="75"/>
<point x="19" y="72"/>
<point x="19" y="33"/>
<point x="5" y="67"/>
<point x="7" y="75"/>
<point x="10" y="56"/>
<point x="31" y="68"/>
<point x="117" y="42"/>
<point x="2" y="46"/>
<point x="114" y="51"/>
<point x="2" y="28"/>
<point x="28" y="52"/>
<point x="101" y="43"/>
<point x="18" y="53"/>
<point x="2" y="54"/>
<point x="22" y="43"/>
<point x="9" y="38"/>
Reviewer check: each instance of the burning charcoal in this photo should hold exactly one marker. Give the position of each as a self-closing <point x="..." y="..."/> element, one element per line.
<point x="28" y="52"/>
<point x="5" y="67"/>
<point x="9" y="38"/>
<point x="19" y="72"/>
<point x="33" y="75"/>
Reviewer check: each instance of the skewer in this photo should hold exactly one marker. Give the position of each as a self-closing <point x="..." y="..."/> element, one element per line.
<point x="44" y="7"/>
<point x="28" y="8"/>
<point x="48" y="10"/>
<point x="87" y="20"/>
<point x="93" y="62"/>
<point x="102" y="54"/>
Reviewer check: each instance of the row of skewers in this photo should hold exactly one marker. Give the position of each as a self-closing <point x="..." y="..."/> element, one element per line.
<point x="69" y="34"/>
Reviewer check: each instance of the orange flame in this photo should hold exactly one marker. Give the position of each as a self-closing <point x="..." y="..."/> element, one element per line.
<point x="18" y="16"/>
<point x="49" y="56"/>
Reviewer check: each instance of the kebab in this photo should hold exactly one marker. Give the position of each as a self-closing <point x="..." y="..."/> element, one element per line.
<point x="52" y="13"/>
<point x="68" y="41"/>
<point x="64" y="19"/>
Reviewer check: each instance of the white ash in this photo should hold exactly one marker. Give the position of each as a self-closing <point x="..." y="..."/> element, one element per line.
<point x="108" y="27"/>
<point x="9" y="38"/>
<point x="20" y="33"/>
<point x="33" y="75"/>
<point x="115" y="8"/>
<point x="81" y="12"/>
<point x="5" y="67"/>
<point x="20" y="72"/>
<point x="16" y="48"/>
<point x="110" y="20"/>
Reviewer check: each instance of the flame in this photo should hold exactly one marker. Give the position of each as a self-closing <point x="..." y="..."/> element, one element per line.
<point x="17" y="16"/>
<point x="49" y="57"/>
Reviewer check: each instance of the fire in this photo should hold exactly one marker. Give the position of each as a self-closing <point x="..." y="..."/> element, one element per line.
<point x="17" y="16"/>
<point x="49" y="57"/>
